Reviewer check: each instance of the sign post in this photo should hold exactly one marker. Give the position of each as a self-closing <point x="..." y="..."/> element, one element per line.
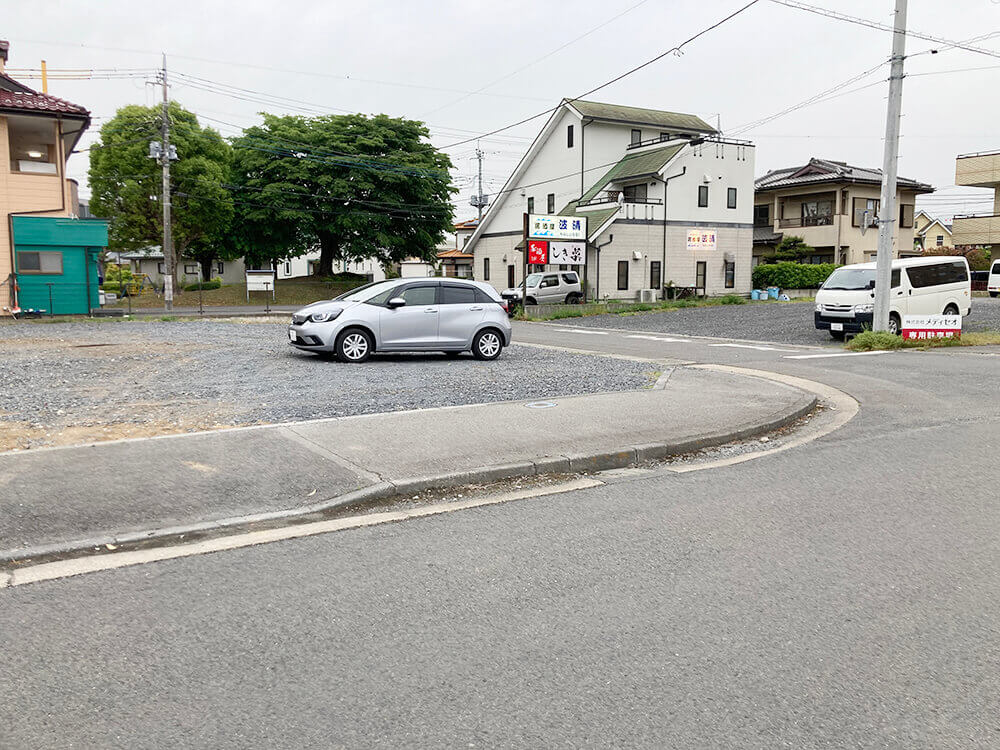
<point x="553" y="239"/>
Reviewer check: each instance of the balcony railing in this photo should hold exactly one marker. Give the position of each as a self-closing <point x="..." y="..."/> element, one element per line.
<point x="805" y="221"/>
<point x="665" y="138"/>
<point x="976" y="216"/>
<point x="613" y="198"/>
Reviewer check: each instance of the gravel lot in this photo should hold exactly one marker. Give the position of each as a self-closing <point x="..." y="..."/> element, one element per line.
<point x="66" y="383"/>
<point x="786" y="323"/>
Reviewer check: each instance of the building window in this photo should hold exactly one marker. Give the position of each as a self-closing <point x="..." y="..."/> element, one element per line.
<point x="32" y="142"/>
<point x="635" y="193"/>
<point x="220" y="268"/>
<point x="550" y="203"/>
<point x="664" y="136"/>
<point x="569" y="136"/>
<point x="762" y="215"/>
<point x="906" y="215"/>
<point x="40" y="262"/>
<point x="940" y="240"/>
<point x="510" y="277"/>
<point x="860" y="205"/>
<point x="531" y="205"/>
<point x="730" y="274"/>
<point x="700" y="273"/>
<point x="703" y="196"/>
<point x="160" y="268"/>
<point x="636" y="136"/>
<point x="288" y="268"/>
<point x="817" y="213"/>
<point x="731" y="198"/>
<point x="486" y="269"/>
<point x="622" y="274"/>
<point x="655" y="275"/>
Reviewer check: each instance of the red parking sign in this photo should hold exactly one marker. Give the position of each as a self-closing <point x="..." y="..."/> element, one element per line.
<point x="538" y="252"/>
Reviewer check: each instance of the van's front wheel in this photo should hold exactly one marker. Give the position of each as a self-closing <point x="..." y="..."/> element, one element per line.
<point x="894" y="324"/>
<point x="838" y="335"/>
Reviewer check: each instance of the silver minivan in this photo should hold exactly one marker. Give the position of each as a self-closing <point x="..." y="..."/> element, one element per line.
<point x="397" y="315"/>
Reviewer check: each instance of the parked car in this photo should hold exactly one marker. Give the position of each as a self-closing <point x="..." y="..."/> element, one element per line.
<point x="920" y="286"/>
<point x="549" y="288"/>
<point x="399" y="315"/>
<point x="993" y="282"/>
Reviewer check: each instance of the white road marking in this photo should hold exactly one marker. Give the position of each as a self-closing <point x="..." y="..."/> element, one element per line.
<point x="834" y="354"/>
<point x="66" y="568"/>
<point x="585" y="330"/>
<point x="758" y="348"/>
<point x="659" y="338"/>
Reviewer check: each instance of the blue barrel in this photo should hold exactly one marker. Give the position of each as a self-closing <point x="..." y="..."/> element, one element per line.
<point x="755" y="294"/>
<point x="773" y="292"/>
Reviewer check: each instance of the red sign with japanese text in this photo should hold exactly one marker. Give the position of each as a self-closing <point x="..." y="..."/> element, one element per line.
<point x="538" y="252"/>
<point x="923" y="327"/>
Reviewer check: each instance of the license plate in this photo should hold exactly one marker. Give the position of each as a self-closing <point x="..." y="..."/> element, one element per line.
<point x="291" y="335"/>
<point x="836" y="326"/>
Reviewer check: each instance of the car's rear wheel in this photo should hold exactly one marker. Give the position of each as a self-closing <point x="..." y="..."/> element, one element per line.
<point x="573" y="298"/>
<point x="994" y="294"/>
<point x="951" y="310"/>
<point x="487" y="344"/>
<point x="354" y="345"/>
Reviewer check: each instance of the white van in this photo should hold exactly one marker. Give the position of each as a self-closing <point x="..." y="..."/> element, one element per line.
<point x="938" y="285"/>
<point x="993" y="284"/>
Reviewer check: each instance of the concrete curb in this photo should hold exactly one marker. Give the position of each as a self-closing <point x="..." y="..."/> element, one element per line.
<point x="562" y="464"/>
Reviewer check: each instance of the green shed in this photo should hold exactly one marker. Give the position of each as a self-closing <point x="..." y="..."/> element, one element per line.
<point x="56" y="263"/>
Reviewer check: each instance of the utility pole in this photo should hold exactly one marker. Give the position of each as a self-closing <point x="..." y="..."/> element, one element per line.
<point x="479" y="192"/>
<point x="888" y="214"/>
<point x="168" y="244"/>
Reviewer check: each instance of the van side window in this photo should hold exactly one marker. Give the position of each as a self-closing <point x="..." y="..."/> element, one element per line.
<point x="937" y="274"/>
<point x="996" y="267"/>
<point x="895" y="278"/>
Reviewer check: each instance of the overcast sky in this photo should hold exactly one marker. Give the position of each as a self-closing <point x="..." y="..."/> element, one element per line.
<point x="421" y="59"/>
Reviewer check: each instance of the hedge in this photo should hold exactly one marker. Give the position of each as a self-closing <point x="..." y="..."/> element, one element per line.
<point x="213" y="284"/>
<point x="791" y="275"/>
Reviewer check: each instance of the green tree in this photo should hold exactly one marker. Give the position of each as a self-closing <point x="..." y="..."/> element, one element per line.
<point x="127" y="186"/>
<point x="791" y="248"/>
<point x="355" y="186"/>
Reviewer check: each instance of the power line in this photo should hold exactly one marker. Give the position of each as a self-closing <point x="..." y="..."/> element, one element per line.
<point x="538" y="60"/>
<point x="677" y="50"/>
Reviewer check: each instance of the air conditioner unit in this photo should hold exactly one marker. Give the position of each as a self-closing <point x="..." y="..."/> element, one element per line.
<point x="647" y="295"/>
<point x="636" y="255"/>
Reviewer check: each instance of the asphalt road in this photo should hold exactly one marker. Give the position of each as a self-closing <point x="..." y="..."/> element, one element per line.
<point x="841" y="594"/>
<point x="788" y="322"/>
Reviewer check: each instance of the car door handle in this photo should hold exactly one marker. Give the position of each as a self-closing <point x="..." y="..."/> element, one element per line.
<point x="430" y="310"/>
<point x="476" y="307"/>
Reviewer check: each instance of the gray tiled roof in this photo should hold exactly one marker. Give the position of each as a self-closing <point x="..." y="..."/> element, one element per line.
<point x="641" y="116"/>
<point x="826" y="171"/>
<point x="766" y="236"/>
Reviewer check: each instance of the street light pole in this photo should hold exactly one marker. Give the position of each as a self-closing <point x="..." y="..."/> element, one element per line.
<point x="888" y="213"/>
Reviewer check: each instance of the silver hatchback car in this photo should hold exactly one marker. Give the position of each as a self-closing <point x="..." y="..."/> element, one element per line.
<point x="397" y="315"/>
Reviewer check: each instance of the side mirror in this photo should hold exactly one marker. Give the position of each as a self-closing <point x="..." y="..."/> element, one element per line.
<point x="396" y="302"/>
<point x="871" y="284"/>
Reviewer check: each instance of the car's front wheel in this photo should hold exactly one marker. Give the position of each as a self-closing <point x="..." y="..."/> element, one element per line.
<point x="354" y="345"/>
<point x="487" y="344"/>
<point x="894" y="324"/>
<point x="838" y="335"/>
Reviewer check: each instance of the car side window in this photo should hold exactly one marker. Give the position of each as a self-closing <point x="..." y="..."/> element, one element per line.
<point x="452" y="294"/>
<point x="570" y="278"/>
<point x="482" y="296"/>
<point x="383" y="297"/>
<point x="549" y="281"/>
<point x="420" y="295"/>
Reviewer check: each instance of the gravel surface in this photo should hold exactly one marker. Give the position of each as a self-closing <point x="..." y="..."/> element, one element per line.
<point x="67" y="383"/>
<point x="786" y="323"/>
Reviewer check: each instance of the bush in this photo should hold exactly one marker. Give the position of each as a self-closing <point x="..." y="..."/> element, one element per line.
<point x="213" y="284"/>
<point x="869" y="341"/>
<point x="791" y="275"/>
<point x="732" y="299"/>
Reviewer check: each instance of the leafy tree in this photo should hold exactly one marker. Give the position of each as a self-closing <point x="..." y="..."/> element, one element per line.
<point x="355" y="186"/>
<point x="127" y="185"/>
<point x="977" y="255"/>
<point x="791" y="248"/>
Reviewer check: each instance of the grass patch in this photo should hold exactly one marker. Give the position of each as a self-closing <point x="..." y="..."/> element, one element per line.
<point x="301" y="291"/>
<point x="636" y="308"/>
<point x="870" y="341"/>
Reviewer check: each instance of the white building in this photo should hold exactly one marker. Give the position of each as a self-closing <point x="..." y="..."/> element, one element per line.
<point x="667" y="201"/>
<point x="305" y="265"/>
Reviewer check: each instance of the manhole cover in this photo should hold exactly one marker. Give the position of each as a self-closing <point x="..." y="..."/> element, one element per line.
<point x="541" y="404"/>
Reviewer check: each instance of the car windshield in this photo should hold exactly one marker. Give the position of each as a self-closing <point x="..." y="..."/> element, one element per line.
<point x="534" y="278"/>
<point x="851" y="279"/>
<point x="366" y="292"/>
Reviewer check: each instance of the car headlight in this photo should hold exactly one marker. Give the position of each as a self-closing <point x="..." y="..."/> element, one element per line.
<point x="324" y="317"/>
<point x="864" y="308"/>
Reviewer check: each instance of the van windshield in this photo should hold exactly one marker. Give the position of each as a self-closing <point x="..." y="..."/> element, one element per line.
<point x="851" y="279"/>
